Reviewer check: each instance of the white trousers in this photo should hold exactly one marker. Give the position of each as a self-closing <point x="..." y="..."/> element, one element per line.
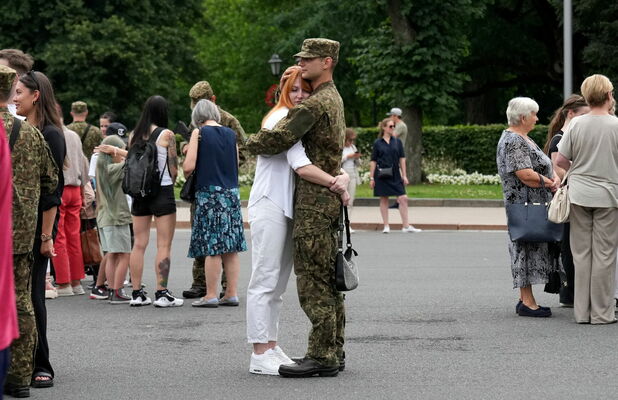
<point x="271" y="262"/>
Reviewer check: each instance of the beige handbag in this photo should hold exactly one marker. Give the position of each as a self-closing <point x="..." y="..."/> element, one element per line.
<point x="559" y="206"/>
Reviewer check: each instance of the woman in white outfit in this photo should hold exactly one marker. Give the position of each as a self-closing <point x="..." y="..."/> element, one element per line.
<point x="270" y="210"/>
<point x="350" y="160"/>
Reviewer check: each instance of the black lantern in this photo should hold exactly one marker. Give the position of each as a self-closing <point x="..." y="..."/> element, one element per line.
<point x="275" y="64"/>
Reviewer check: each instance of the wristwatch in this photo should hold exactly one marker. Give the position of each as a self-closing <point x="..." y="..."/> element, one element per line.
<point x="45" y="237"/>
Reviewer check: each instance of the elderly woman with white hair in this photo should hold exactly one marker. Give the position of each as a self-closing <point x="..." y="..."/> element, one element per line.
<point x="527" y="176"/>
<point x="217" y="230"/>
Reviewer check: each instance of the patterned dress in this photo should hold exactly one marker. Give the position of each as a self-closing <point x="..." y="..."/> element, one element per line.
<point x="530" y="262"/>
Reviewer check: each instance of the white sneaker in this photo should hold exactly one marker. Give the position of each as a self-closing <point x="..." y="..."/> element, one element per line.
<point x="386" y="229"/>
<point x="77" y="290"/>
<point x="265" y="364"/>
<point x="165" y="299"/>
<point x="51" y="293"/>
<point x="139" y="299"/>
<point x="282" y="356"/>
<point x="352" y="230"/>
<point x="67" y="291"/>
<point x="411" y="229"/>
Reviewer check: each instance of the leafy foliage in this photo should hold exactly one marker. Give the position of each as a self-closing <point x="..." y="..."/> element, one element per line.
<point x="469" y="147"/>
<point x="111" y="54"/>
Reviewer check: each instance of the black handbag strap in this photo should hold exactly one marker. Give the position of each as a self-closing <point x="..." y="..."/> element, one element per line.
<point x="14" y="132"/>
<point x="344" y="223"/>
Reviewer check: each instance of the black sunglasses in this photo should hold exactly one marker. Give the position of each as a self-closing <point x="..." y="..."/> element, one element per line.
<point x="33" y="76"/>
<point x="390" y="126"/>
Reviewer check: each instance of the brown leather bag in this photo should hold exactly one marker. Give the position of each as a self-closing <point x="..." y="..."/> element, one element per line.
<point x="91" y="250"/>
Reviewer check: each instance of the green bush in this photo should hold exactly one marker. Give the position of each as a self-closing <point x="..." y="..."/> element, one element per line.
<point x="470" y="147"/>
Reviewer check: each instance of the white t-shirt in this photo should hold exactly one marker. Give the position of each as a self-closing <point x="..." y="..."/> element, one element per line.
<point x="348" y="163"/>
<point x="274" y="175"/>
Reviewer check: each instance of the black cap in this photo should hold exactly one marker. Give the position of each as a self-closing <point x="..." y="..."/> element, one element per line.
<point x="116" y="128"/>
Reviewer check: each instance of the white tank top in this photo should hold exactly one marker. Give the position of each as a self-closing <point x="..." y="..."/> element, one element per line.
<point x="166" y="179"/>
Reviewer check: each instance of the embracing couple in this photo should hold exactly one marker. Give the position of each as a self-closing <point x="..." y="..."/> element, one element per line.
<point x="297" y="224"/>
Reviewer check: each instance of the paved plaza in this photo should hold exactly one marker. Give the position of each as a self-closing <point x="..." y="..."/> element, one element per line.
<point x="434" y="318"/>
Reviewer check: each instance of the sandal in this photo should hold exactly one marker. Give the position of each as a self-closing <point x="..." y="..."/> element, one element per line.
<point x="16" y="390"/>
<point x="47" y="381"/>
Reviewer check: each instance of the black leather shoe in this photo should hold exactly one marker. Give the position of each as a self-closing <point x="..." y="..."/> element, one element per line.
<point x="541" y="312"/>
<point x="194" y="293"/>
<point x="16" y="391"/>
<point x="306" y="368"/>
<point x="341" y="361"/>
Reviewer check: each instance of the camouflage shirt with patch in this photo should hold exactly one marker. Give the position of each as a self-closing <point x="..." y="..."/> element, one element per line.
<point x="320" y="123"/>
<point x="34" y="173"/>
<point x="90" y="138"/>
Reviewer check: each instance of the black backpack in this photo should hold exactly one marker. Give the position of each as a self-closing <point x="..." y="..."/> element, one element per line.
<point x="142" y="177"/>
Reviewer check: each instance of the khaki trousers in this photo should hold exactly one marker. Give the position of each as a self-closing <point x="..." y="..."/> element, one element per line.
<point x="594" y="239"/>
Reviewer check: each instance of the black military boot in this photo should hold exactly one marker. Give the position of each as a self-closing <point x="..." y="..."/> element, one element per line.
<point x="194" y="292"/>
<point x="307" y="367"/>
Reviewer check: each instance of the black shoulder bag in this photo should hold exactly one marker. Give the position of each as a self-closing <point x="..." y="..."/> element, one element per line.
<point x="527" y="222"/>
<point x="346" y="270"/>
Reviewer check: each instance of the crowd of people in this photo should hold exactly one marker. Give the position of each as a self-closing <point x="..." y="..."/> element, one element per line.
<point x="581" y="151"/>
<point x="68" y="179"/>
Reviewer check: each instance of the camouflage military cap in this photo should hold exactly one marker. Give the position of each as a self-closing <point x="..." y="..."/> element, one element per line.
<point x="200" y="90"/>
<point x="313" y="48"/>
<point x="7" y="77"/>
<point x="79" y="107"/>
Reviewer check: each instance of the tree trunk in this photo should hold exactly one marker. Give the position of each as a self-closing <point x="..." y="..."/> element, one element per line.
<point x="413" y="118"/>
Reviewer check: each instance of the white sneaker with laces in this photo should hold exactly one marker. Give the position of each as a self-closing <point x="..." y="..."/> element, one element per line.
<point x="386" y="229"/>
<point x="265" y="364"/>
<point x="282" y="356"/>
<point x="411" y="229"/>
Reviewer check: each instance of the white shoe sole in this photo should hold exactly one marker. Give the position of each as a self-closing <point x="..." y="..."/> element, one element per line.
<point x="261" y="371"/>
<point x="166" y="305"/>
<point x="51" y="294"/>
<point x="145" y="303"/>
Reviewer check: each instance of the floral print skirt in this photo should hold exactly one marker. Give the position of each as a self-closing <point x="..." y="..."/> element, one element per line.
<point x="531" y="263"/>
<point x="217" y="223"/>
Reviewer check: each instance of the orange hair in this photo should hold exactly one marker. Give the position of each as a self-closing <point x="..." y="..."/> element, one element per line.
<point x="284" y="98"/>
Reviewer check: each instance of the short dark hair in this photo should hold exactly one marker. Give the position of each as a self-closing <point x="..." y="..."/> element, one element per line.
<point x="18" y="60"/>
<point x="109" y="115"/>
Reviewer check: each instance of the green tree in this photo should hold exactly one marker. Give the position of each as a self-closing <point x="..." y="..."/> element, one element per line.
<point x="413" y="58"/>
<point x="111" y="54"/>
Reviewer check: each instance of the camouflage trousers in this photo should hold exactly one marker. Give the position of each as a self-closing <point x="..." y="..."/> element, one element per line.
<point x="199" y="276"/>
<point x="314" y="266"/>
<point x="22" y="348"/>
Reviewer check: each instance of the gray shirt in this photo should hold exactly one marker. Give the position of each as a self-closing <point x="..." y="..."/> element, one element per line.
<point x="591" y="142"/>
<point x="401" y="131"/>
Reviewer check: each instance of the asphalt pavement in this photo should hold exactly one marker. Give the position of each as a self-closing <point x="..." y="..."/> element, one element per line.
<point x="433" y="318"/>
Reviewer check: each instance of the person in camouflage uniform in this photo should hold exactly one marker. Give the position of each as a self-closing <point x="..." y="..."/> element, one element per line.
<point x="320" y="123"/>
<point x="34" y="173"/>
<point x="203" y="90"/>
<point x="90" y="135"/>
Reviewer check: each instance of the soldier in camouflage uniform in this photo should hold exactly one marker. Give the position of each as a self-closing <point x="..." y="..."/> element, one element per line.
<point x="320" y="123"/>
<point x="203" y="90"/>
<point x="34" y="173"/>
<point x="90" y="135"/>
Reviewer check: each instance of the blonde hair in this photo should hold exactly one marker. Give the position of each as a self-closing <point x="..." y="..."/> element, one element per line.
<point x="595" y="89"/>
<point x="382" y="125"/>
<point x="284" y="97"/>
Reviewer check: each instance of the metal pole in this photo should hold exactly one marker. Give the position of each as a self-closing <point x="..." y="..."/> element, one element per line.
<point x="568" y="48"/>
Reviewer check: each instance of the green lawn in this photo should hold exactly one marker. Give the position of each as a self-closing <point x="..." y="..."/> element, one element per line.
<point x="422" y="191"/>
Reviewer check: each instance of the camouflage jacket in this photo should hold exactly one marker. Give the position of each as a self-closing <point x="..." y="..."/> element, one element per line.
<point x="34" y="173"/>
<point x="320" y="123"/>
<point x="90" y="140"/>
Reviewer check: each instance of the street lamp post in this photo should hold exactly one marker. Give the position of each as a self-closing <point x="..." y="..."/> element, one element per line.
<point x="567" y="22"/>
<point x="275" y="64"/>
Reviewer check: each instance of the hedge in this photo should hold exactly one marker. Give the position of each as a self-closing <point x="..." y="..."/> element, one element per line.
<point x="470" y="147"/>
